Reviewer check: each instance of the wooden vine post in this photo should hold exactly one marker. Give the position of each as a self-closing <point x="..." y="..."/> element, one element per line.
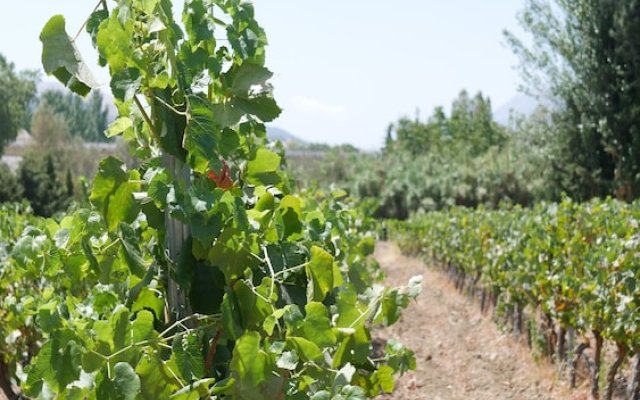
<point x="176" y="235"/>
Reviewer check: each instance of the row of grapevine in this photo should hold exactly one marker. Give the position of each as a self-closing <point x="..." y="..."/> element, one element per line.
<point x="573" y="267"/>
<point x="198" y="273"/>
<point x="21" y="292"/>
<point x="80" y="304"/>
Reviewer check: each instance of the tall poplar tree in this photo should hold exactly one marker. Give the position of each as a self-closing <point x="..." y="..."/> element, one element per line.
<point x="585" y="57"/>
<point x="17" y="90"/>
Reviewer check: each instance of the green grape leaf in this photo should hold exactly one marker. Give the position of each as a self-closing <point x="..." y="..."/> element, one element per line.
<point x="382" y="380"/>
<point x="231" y="253"/>
<point x="288" y="360"/>
<point x="148" y="300"/>
<point x="231" y="317"/>
<point x="156" y="381"/>
<point x="93" y="24"/>
<point x="290" y="214"/>
<point x="125" y="83"/>
<point x="307" y="350"/>
<point x="122" y="206"/>
<point x="114" y="44"/>
<point x="399" y="357"/>
<point x="319" y="274"/>
<point x="187" y="352"/>
<point x="159" y="188"/>
<point x="126" y="382"/>
<point x="317" y="326"/>
<point x="61" y="58"/>
<point x="132" y="255"/>
<point x="352" y="393"/>
<point x="48" y="318"/>
<point x="262" y="106"/>
<point x="252" y="370"/>
<point x="246" y="76"/>
<point x="262" y="170"/>
<point x="321" y="395"/>
<point x="354" y="348"/>
<point x="170" y="126"/>
<point x="142" y="327"/>
<point x="229" y="143"/>
<point x="120" y="328"/>
<point x="226" y="114"/>
<point x="293" y="319"/>
<point x="110" y="176"/>
<point x="196" y="22"/>
<point x="349" y="309"/>
<point x="118" y="126"/>
<point x="56" y="365"/>
<point x="254" y="309"/>
<point x="201" y="136"/>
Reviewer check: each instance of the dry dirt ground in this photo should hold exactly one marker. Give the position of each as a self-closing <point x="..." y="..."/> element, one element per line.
<point x="460" y="354"/>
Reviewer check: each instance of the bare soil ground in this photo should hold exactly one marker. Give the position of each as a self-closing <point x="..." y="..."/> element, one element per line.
<point x="460" y="353"/>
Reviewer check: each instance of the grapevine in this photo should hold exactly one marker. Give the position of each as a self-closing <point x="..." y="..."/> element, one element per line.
<point x="557" y="269"/>
<point x="199" y="273"/>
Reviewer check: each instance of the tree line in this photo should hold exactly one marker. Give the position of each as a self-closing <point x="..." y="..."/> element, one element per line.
<point x="581" y="61"/>
<point x="60" y="123"/>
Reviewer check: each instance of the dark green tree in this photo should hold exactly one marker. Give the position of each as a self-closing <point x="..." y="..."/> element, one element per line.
<point x="69" y="184"/>
<point x="86" y="118"/>
<point x="446" y="160"/>
<point x="10" y="188"/>
<point x="17" y="90"/>
<point x="585" y="56"/>
<point x="43" y="187"/>
<point x="470" y="129"/>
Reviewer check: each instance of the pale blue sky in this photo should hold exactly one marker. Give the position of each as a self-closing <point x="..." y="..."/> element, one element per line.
<point x="344" y="69"/>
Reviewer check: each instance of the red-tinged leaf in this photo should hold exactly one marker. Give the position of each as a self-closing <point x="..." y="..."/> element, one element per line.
<point x="223" y="179"/>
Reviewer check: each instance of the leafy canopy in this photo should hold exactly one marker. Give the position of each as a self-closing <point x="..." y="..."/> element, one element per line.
<point x="17" y="90"/>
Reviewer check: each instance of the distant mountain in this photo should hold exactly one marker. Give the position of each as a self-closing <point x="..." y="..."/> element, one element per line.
<point x="275" y="133"/>
<point x="520" y="104"/>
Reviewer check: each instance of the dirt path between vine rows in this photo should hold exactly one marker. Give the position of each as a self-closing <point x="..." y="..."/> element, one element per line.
<point x="460" y="354"/>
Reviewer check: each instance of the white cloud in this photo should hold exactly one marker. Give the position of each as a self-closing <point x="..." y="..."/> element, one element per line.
<point x="318" y="107"/>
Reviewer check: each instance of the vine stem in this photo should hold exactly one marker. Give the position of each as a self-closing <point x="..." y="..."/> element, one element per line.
<point x="86" y="21"/>
<point x="273" y="274"/>
<point x="147" y="119"/>
<point x="212" y="350"/>
<point x="158" y="340"/>
<point x="292" y="269"/>
<point x="366" y="312"/>
<point x="5" y="382"/>
<point x="595" y="367"/>
<point x="198" y="317"/>
<point x="116" y="241"/>
<point x="170" y="107"/>
<point x="577" y="353"/>
<point x="634" y="385"/>
<point x="173" y="373"/>
<point x="613" y="370"/>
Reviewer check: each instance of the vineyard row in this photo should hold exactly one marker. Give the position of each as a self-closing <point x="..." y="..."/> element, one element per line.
<point x="567" y="273"/>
